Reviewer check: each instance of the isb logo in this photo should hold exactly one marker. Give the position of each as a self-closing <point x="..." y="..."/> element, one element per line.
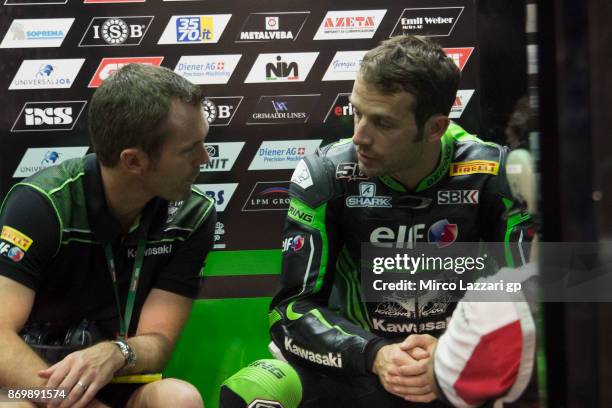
<point x="115" y="31"/>
<point x="220" y="110"/>
<point x="48" y="116"/>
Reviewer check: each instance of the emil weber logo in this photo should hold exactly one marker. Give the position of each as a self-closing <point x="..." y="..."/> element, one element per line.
<point x="428" y="22"/>
<point x="473" y="167"/>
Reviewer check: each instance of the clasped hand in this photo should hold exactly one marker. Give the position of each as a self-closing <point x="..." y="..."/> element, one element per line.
<point x="406" y="369"/>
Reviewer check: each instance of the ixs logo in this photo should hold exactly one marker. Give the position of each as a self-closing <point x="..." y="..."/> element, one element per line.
<point x="341" y="110"/>
<point x="293" y="243"/>
<point x="330" y="359"/>
<point x="287" y="67"/>
<point x="349" y="171"/>
<point x="108" y="66"/>
<point x="47" y="74"/>
<point x="344" y="66"/>
<point x="220" y="110"/>
<point x="461" y="100"/>
<point x="221" y="193"/>
<point x="268" y="196"/>
<point x="276" y="109"/>
<point x="37" y="33"/>
<point x="458" y="196"/>
<point x="48" y="116"/>
<point x="280" y="26"/>
<point x="428" y="22"/>
<point x="194" y="29"/>
<point x="112" y="1"/>
<point x="207" y="69"/>
<point x="473" y="167"/>
<point x="459" y="55"/>
<point x="38" y="158"/>
<point x="347" y="24"/>
<point x="282" y="154"/>
<point x="367" y="198"/>
<point x="115" y="31"/>
<point x="33" y="2"/>
<point x="222" y="156"/>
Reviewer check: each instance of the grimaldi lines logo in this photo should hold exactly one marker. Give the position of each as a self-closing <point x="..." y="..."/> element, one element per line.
<point x="276" y="26"/>
<point x="48" y="116"/>
<point x="282" y="67"/>
<point x="277" y="109"/>
<point x="108" y="66"/>
<point x="268" y="196"/>
<point x="37" y="33"/>
<point x="428" y="22"/>
<point x="47" y="73"/>
<point x="192" y="29"/>
<point x="115" y="31"/>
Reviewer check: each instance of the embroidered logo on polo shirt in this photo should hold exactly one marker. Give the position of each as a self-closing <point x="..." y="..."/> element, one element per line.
<point x="164" y="249"/>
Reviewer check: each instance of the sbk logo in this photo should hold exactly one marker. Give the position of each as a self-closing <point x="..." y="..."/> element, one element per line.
<point x="109" y="66"/>
<point x="48" y="116"/>
<point x="458" y="197"/>
<point x="115" y="31"/>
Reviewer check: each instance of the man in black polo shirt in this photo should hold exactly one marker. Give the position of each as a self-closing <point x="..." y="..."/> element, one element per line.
<point x="113" y="242"/>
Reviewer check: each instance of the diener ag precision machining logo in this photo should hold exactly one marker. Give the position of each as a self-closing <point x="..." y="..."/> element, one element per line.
<point x="193" y="29"/>
<point x="109" y="66"/>
<point x="207" y="69"/>
<point x="48" y="116"/>
<point x="349" y="24"/>
<point x="282" y="154"/>
<point x="37" y="33"/>
<point x="281" y="67"/>
<point x="115" y="31"/>
<point x="277" y="109"/>
<point x="428" y="22"/>
<point x="268" y="196"/>
<point x="276" y="26"/>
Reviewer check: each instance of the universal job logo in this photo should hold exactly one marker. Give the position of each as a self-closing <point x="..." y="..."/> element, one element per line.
<point x="192" y="29"/>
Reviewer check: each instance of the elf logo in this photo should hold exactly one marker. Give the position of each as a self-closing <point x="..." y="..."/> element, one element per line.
<point x="458" y="197"/>
<point x="403" y="237"/>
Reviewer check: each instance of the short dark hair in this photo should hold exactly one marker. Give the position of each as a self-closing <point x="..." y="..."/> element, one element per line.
<point x="130" y="107"/>
<point x="416" y="65"/>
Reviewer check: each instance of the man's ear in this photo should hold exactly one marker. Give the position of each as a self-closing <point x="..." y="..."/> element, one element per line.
<point x="435" y="127"/>
<point x="134" y="161"/>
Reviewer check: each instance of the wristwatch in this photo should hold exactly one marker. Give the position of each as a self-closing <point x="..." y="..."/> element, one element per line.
<point x="128" y="353"/>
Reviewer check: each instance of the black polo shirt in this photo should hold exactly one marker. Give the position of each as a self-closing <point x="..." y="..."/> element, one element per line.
<point x="54" y="228"/>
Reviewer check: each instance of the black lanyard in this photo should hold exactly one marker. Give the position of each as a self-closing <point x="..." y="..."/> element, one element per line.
<point x="124" y="321"/>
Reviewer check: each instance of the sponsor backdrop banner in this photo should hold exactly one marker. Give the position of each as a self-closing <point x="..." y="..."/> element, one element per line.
<point x="277" y="75"/>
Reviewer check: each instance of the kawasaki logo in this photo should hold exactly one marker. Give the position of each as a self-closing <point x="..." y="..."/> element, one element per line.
<point x="329" y="359"/>
<point x="380" y="324"/>
<point x="157" y="250"/>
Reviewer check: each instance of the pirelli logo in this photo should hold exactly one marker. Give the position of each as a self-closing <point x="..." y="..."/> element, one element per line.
<point x="16" y="238"/>
<point x="474" y="166"/>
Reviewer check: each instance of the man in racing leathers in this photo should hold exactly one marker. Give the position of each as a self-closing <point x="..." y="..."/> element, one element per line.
<point x="408" y="175"/>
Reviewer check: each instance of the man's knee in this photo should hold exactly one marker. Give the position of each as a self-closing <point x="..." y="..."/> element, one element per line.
<point x="274" y="383"/>
<point x="165" y="393"/>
